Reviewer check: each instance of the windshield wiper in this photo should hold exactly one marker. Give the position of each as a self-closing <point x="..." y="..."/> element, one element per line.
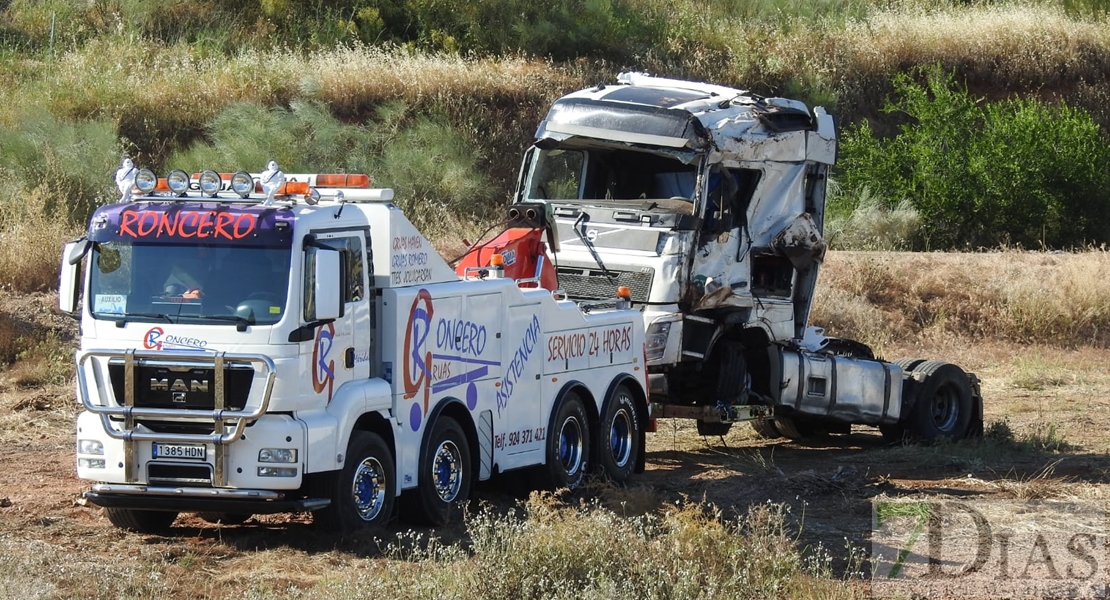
<point x="121" y="318"/>
<point x="581" y="221"/>
<point x="241" y="323"/>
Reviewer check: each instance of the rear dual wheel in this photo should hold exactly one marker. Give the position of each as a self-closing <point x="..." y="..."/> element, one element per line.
<point x="620" y="437"/>
<point x="567" y="450"/>
<point x="446" y="475"/>
<point x="944" y="403"/>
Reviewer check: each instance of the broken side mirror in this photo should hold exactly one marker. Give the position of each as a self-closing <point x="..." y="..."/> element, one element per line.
<point x="69" y="279"/>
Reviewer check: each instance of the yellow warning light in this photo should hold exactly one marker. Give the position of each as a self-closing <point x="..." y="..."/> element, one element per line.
<point x="496" y="260"/>
<point x="624" y="292"/>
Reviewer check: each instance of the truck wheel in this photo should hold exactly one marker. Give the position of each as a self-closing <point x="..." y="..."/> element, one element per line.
<point x="717" y="429"/>
<point x="141" y="521"/>
<point x="765" y="428"/>
<point x="943" y="405"/>
<point x="444" y="474"/>
<point x="848" y="348"/>
<point x="363" y="491"/>
<point x="798" y="429"/>
<point x="568" y="445"/>
<point x="909" y="364"/>
<point x="620" y="436"/>
<point x="225" y="518"/>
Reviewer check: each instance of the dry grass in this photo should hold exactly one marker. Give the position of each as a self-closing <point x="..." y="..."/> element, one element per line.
<point x="1061" y="299"/>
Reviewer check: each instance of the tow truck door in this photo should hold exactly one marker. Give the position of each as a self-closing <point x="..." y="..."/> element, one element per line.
<point x="341" y="350"/>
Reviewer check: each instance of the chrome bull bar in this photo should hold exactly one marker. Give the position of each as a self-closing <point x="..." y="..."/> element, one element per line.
<point x="220" y="435"/>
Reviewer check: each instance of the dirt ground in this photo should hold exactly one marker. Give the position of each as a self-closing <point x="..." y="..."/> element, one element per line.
<point x="1047" y="411"/>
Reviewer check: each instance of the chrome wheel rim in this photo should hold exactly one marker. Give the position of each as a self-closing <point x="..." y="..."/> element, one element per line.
<point x="571" y="446"/>
<point x="368" y="488"/>
<point x="447" y="471"/>
<point x="945" y="409"/>
<point x="620" y="437"/>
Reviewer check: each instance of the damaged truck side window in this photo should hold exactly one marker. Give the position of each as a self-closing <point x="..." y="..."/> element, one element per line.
<point x="557" y="175"/>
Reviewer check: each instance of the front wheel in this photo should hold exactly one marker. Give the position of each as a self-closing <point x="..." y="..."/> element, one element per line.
<point x="363" y="492"/>
<point x="445" y="475"/>
<point x="141" y="521"/>
<point x="620" y="436"/>
<point x="225" y="518"/>
<point x="568" y="445"/>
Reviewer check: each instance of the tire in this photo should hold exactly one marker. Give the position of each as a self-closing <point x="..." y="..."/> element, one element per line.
<point x="942" y="408"/>
<point x="848" y="348"/>
<point x="717" y="429"/>
<point x="445" y="475"/>
<point x="909" y="364"/>
<point x="362" y="492"/>
<point x="731" y="375"/>
<point x="896" y="433"/>
<point x="619" y="436"/>
<point x="893" y="434"/>
<point x="798" y="429"/>
<point x="765" y="428"/>
<point x="225" y="518"/>
<point x="141" y="521"/>
<point x="567" y="451"/>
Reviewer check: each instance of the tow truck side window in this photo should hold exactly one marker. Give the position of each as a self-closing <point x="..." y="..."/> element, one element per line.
<point x="350" y="252"/>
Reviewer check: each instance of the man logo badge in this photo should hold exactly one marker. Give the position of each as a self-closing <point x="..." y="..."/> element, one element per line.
<point x="179" y="387"/>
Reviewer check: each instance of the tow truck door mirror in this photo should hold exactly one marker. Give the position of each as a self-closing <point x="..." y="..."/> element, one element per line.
<point x="326" y="285"/>
<point x="70" y="275"/>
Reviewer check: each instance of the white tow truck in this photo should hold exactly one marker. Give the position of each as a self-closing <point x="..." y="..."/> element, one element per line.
<point x="708" y="203"/>
<point x="269" y="343"/>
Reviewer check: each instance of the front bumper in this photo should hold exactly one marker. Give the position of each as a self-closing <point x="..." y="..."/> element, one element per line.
<point x="199" y="499"/>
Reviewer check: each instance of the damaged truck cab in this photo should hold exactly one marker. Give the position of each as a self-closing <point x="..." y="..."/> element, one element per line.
<point x="708" y="203"/>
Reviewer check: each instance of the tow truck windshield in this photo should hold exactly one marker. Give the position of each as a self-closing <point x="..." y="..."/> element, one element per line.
<point x="188" y="283"/>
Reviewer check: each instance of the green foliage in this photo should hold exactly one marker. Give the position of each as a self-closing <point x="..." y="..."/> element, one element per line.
<point x="69" y="162"/>
<point x="302" y="138"/>
<point x="984" y="174"/>
<point x="432" y="166"/>
<point x="872" y="224"/>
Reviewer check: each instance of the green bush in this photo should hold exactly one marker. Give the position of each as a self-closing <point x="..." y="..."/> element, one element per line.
<point x="70" y="163"/>
<point x="984" y="174"/>
<point x="432" y="166"/>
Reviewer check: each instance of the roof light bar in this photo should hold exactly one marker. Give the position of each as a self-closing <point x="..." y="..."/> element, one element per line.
<point x="242" y="184"/>
<point x="210" y="183"/>
<point x="146" y="181"/>
<point x="178" y="182"/>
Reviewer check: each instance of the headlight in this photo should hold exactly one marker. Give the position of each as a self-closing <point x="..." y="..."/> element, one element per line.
<point x="146" y="181"/>
<point x="277" y="455"/>
<point x="210" y="183"/>
<point x="656" y="340"/>
<point x="90" y="463"/>
<point x="242" y="183"/>
<point x="90" y="447"/>
<point x="178" y="182"/>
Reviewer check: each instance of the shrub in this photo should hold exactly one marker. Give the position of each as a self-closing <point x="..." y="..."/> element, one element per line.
<point x="872" y="225"/>
<point x="431" y="165"/>
<point x="984" y="174"/>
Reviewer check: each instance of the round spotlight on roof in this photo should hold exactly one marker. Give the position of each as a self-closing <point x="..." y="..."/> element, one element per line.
<point x="210" y="183"/>
<point x="242" y="183"/>
<point x="146" y="181"/>
<point x="178" y="182"/>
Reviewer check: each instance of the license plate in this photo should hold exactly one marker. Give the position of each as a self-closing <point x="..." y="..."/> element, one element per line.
<point x="187" y="451"/>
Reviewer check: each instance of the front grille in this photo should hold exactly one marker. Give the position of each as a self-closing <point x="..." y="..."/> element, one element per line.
<point x="592" y="284"/>
<point x="159" y="386"/>
<point x="157" y="473"/>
